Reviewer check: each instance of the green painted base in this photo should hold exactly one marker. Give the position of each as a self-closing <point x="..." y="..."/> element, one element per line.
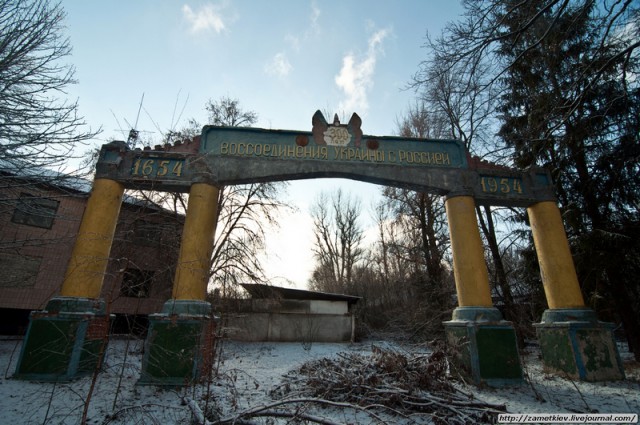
<point x="65" y="341"/>
<point x="485" y="351"/>
<point x="179" y="345"/>
<point x="579" y="349"/>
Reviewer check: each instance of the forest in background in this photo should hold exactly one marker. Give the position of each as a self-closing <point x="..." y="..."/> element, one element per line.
<point x="550" y="83"/>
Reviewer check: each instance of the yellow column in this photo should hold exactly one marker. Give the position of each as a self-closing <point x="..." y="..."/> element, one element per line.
<point x="192" y="272"/>
<point x="469" y="267"/>
<point x="90" y="255"/>
<point x="556" y="264"/>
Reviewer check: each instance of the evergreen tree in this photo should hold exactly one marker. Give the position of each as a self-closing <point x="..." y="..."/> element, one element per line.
<point x="566" y="76"/>
<point x="568" y="105"/>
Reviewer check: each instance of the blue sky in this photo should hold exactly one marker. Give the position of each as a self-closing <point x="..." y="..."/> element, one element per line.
<point x="281" y="59"/>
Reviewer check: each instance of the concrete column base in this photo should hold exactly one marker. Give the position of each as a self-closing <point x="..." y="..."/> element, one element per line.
<point x="484" y="346"/>
<point x="179" y="346"/>
<point x="65" y="341"/>
<point x="574" y="344"/>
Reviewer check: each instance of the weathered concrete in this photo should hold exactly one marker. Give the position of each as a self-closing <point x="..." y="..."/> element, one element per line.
<point x="290" y="320"/>
<point x="484" y="346"/>
<point x="179" y="344"/>
<point x="65" y="341"/>
<point x="328" y="307"/>
<point x="290" y="327"/>
<point x="574" y="344"/>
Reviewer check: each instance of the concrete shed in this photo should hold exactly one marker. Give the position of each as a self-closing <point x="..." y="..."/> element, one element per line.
<point x="292" y="315"/>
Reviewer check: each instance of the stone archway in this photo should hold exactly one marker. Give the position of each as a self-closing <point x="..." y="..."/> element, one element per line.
<point x="571" y="338"/>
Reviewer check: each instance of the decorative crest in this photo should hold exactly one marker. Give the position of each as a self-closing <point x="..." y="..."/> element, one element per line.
<point x="336" y="134"/>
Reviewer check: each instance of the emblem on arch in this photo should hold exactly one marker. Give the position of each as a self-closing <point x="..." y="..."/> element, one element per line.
<point x="336" y="134"/>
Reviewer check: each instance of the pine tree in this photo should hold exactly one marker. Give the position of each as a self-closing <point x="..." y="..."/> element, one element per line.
<point x="569" y="105"/>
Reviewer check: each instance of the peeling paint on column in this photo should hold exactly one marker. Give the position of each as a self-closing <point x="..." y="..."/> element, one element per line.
<point x="580" y="350"/>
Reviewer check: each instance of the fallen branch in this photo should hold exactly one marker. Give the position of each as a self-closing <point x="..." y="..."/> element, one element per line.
<point x="388" y="380"/>
<point x="115" y="416"/>
<point x="280" y="414"/>
<point x="267" y="410"/>
<point x="197" y="413"/>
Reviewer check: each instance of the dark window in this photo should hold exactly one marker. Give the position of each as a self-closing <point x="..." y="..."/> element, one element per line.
<point x="18" y="271"/>
<point x="35" y="211"/>
<point x="147" y="233"/>
<point x="136" y="283"/>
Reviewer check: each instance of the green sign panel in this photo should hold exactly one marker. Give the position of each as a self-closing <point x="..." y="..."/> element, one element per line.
<point x="333" y="146"/>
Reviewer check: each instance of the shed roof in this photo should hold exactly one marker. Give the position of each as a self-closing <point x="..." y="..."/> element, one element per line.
<point x="267" y="291"/>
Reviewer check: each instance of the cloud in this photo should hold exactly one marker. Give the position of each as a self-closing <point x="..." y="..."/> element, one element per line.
<point x="356" y="76"/>
<point x="315" y="16"/>
<point x="279" y="65"/>
<point x="293" y="41"/>
<point x="313" y="29"/>
<point x="207" y="18"/>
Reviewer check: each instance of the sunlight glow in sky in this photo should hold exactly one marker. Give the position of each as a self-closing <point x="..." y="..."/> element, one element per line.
<point x="282" y="59"/>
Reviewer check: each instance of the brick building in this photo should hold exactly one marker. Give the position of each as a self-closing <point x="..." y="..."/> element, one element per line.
<point x="40" y="214"/>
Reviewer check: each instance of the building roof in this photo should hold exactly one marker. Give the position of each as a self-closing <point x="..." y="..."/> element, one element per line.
<point x="17" y="168"/>
<point x="80" y="185"/>
<point x="268" y="291"/>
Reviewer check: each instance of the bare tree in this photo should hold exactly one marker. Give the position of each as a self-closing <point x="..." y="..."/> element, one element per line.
<point x="227" y="112"/>
<point x="38" y="126"/>
<point x="421" y="215"/>
<point x="465" y="96"/>
<point x="413" y="240"/>
<point x="421" y="225"/>
<point x="338" y="242"/>
<point x="245" y="211"/>
<point x="40" y="130"/>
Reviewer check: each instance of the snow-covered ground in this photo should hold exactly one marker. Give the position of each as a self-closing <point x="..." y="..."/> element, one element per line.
<point x="246" y="375"/>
